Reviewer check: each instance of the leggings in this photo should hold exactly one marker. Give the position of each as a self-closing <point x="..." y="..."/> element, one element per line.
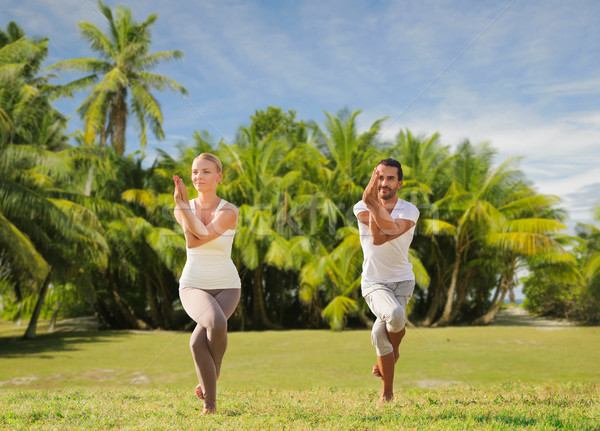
<point x="210" y="309"/>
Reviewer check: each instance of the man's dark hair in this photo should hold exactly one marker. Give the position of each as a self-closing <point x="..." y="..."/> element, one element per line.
<point x="392" y="162"/>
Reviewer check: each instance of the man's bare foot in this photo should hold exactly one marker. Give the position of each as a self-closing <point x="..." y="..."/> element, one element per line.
<point x="209" y="411"/>
<point x="376" y="371"/>
<point x="386" y="398"/>
<point x="199" y="392"/>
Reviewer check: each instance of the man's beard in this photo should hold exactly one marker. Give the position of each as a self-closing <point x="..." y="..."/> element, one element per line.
<point x="386" y="194"/>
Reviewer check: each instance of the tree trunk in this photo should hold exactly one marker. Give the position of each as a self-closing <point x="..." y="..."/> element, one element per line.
<point x="89" y="182"/>
<point x="152" y="301"/>
<point x="461" y="295"/>
<point x="259" y="311"/>
<point x="31" y="328"/>
<point x="434" y="307"/>
<point x="20" y="313"/>
<point x="166" y="307"/>
<point x="120" y="124"/>
<point x="103" y="136"/>
<point x="505" y="284"/>
<point x="53" y="319"/>
<point x="445" y="319"/>
<point x="132" y="321"/>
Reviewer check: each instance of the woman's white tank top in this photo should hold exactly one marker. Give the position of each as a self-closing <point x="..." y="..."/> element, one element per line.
<point x="209" y="266"/>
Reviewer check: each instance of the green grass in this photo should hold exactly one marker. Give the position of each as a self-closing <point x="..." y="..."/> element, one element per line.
<point x="533" y="407"/>
<point x="449" y="378"/>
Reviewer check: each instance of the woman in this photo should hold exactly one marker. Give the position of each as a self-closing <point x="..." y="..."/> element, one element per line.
<point x="209" y="286"/>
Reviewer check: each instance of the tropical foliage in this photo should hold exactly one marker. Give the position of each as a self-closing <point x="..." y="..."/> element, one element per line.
<point x="568" y="286"/>
<point x="86" y="228"/>
<point x="125" y="67"/>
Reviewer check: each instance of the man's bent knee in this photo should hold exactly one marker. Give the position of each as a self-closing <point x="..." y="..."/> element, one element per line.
<point x="397" y="320"/>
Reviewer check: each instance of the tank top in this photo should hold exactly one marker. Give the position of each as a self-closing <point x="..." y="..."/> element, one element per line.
<point x="209" y="266"/>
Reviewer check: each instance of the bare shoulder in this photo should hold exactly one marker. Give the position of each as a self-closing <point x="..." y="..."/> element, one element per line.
<point x="231" y="207"/>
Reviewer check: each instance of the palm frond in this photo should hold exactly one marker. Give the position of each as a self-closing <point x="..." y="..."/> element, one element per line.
<point x="99" y="41"/>
<point x="533" y="225"/>
<point x="436" y="227"/>
<point x="150" y="61"/>
<point x="18" y="249"/>
<point x="524" y="243"/>
<point x="336" y="311"/>
<point x="421" y="275"/>
<point x="93" y="65"/>
<point x="160" y="82"/>
<point x="143" y="197"/>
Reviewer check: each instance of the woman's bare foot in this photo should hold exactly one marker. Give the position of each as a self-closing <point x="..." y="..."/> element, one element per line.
<point x="199" y="392"/>
<point x="209" y="411"/>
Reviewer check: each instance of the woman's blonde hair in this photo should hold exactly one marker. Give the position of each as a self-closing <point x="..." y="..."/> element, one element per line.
<point x="212" y="158"/>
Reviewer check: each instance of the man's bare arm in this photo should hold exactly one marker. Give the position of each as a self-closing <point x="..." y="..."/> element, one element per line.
<point x="377" y="235"/>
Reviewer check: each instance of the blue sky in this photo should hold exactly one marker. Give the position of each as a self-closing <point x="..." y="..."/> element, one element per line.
<point x="523" y="75"/>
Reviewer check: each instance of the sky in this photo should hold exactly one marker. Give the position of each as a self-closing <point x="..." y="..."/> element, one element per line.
<point x="523" y="75"/>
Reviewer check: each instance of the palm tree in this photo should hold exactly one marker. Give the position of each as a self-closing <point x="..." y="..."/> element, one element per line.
<point x="468" y="204"/>
<point x="45" y="238"/>
<point x="425" y="163"/>
<point x="32" y="217"/>
<point x="26" y="115"/>
<point x="352" y="156"/>
<point x="255" y="177"/>
<point x="121" y="80"/>
<point x="526" y="228"/>
<point x="485" y="208"/>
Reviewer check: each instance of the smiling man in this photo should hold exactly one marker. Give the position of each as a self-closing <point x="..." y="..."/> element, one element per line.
<point x="386" y="225"/>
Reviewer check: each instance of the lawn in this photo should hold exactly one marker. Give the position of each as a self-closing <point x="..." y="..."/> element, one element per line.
<point x="497" y="377"/>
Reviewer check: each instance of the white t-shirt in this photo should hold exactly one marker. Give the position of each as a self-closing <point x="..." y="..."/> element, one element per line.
<point x="387" y="262"/>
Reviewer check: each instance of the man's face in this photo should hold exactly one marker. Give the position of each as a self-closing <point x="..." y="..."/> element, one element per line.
<point x="388" y="182"/>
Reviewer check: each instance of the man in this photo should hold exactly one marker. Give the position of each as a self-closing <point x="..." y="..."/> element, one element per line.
<point x="386" y="225"/>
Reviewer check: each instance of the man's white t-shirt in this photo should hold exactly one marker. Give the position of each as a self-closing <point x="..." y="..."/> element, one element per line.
<point x="387" y="263"/>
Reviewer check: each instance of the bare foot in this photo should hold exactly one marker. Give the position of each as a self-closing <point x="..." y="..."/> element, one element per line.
<point x="376" y="371"/>
<point x="386" y="398"/>
<point x="199" y="392"/>
<point x="209" y="411"/>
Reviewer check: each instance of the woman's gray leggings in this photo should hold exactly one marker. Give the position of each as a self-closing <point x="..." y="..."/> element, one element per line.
<point x="210" y="309"/>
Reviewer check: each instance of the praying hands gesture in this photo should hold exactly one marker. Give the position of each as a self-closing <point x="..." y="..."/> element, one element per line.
<point x="180" y="195"/>
<point x="370" y="195"/>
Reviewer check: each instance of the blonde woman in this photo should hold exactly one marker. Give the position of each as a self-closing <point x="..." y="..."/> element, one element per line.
<point x="209" y="286"/>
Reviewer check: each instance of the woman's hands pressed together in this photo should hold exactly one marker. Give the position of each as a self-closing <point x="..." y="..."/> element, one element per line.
<point x="180" y="195"/>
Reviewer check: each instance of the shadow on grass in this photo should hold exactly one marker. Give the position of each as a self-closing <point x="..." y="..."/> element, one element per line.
<point x="45" y="344"/>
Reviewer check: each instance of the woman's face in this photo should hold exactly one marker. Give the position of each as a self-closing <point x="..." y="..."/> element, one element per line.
<point x="205" y="175"/>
